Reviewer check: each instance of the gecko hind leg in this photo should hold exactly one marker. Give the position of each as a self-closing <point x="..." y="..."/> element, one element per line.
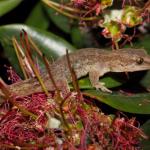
<point x="94" y="79"/>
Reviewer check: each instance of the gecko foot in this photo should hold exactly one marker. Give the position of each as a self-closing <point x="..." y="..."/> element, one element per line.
<point x="101" y="86"/>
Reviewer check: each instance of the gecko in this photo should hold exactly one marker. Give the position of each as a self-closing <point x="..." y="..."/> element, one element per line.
<point x="89" y="61"/>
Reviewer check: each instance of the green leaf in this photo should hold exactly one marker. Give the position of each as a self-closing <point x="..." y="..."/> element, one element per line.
<point x="8" y="5"/>
<point x="61" y="21"/>
<point x="137" y="103"/>
<point x="50" y="44"/>
<point x="146" y="129"/>
<point x="82" y="37"/>
<point x="37" y="18"/>
<point x="110" y="82"/>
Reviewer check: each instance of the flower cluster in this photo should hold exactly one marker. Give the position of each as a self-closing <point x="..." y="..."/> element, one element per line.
<point x="114" y="19"/>
<point x="73" y="123"/>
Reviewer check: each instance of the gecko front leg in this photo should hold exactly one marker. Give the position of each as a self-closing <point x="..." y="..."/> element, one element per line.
<point x="94" y="76"/>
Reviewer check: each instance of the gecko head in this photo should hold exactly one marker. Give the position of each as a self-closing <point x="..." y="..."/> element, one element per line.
<point x="133" y="60"/>
<point x="140" y="63"/>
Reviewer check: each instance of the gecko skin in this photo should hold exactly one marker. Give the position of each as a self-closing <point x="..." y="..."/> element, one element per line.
<point x="91" y="61"/>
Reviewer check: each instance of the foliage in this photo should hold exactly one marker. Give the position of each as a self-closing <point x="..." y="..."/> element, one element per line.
<point x="76" y="121"/>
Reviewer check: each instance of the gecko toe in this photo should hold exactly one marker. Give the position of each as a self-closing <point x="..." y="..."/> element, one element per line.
<point x="101" y="87"/>
<point x="106" y="90"/>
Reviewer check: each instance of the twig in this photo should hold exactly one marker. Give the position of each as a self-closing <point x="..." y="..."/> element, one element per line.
<point x="58" y="98"/>
<point x="68" y="14"/>
<point x="17" y="50"/>
<point x="29" y="57"/>
<point x="50" y="74"/>
<point x="73" y="75"/>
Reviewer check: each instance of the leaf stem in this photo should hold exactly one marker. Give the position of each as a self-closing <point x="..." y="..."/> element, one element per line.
<point x="75" y="10"/>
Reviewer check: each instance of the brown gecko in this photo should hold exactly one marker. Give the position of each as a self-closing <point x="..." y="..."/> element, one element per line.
<point x="92" y="61"/>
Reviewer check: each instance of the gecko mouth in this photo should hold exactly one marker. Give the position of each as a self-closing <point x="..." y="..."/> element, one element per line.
<point x="142" y="68"/>
<point x="133" y="68"/>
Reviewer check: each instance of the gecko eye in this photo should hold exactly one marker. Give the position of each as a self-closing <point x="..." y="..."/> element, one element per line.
<point x="139" y="60"/>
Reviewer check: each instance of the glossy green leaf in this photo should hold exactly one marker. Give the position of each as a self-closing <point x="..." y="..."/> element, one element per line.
<point x="137" y="103"/>
<point x="61" y="21"/>
<point x="50" y="44"/>
<point x="82" y="37"/>
<point x="110" y="82"/>
<point x="146" y="128"/>
<point x="37" y="17"/>
<point x="8" y="5"/>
